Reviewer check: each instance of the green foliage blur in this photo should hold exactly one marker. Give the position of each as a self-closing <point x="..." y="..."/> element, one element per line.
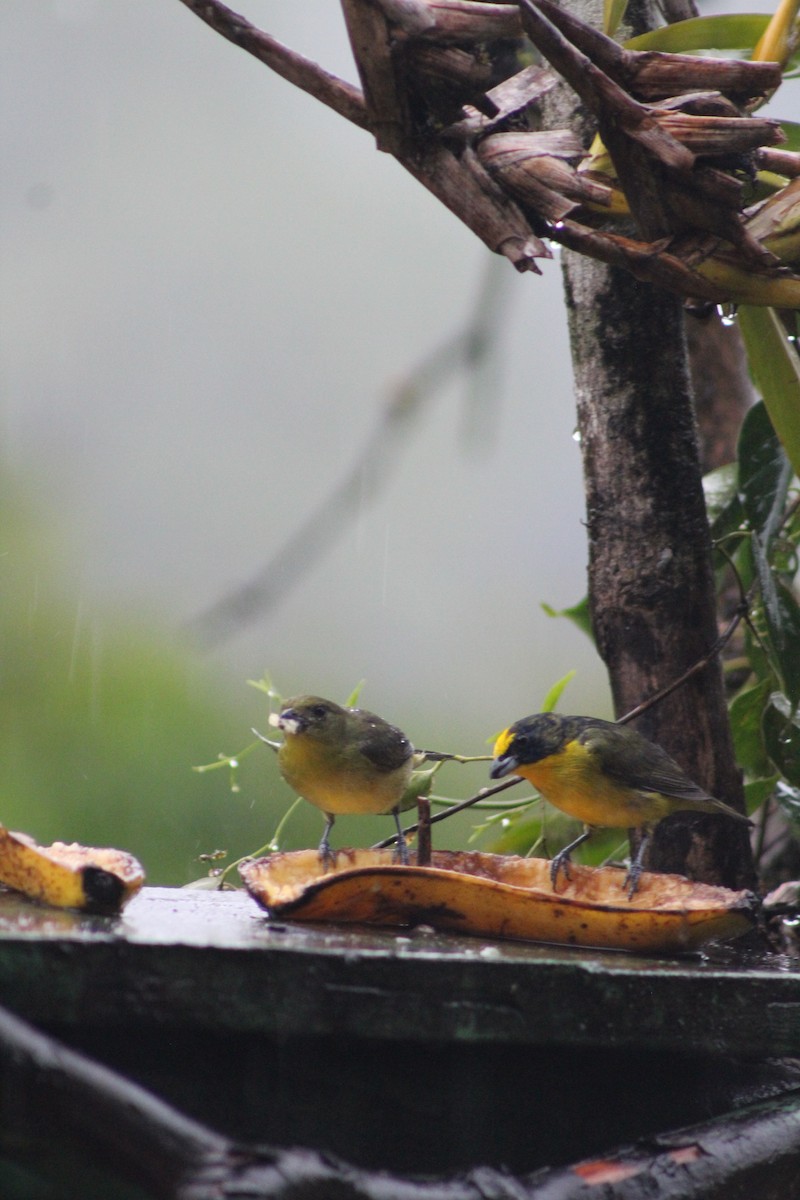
<point x="102" y="719"/>
<point x="756" y="532"/>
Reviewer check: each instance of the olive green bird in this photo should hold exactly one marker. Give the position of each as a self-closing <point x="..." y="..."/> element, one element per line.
<point x="346" y="760"/>
<point x="602" y="773"/>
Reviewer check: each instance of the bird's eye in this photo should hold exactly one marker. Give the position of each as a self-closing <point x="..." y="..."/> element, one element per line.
<point x="319" y="711"/>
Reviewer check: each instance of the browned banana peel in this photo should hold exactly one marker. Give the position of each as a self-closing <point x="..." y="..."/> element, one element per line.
<point x="495" y="895"/>
<point x="69" y="876"/>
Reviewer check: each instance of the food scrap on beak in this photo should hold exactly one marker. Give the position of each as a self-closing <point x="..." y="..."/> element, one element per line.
<point x="288" y="721"/>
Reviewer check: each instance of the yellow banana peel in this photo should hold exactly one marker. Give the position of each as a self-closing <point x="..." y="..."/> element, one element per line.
<point x="494" y="895"/>
<point x="69" y="875"/>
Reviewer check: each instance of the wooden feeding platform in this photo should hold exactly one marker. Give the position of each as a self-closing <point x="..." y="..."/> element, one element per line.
<point x="400" y="1050"/>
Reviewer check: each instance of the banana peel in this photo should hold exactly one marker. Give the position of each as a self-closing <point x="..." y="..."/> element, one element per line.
<point x="99" y="880"/>
<point x="495" y="895"/>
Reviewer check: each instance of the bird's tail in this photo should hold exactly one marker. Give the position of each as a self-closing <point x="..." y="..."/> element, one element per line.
<point x="712" y="805"/>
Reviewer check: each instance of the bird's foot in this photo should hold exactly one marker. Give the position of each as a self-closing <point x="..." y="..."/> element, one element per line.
<point x="401" y="851"/>
<point x="560" y="862"/>
<point x="631" y="881"/>
<point x="326" y="856"/>
<point x="633" y="874"/>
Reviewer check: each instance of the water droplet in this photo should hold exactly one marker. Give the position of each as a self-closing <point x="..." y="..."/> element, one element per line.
<point x="727" y="314"/>
<point x="576" y="435"/>
<point x="234" y="763"/>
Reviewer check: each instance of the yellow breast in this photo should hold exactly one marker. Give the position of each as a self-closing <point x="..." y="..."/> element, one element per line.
<point x="338" y="785"/>
<point x="572" y="781"/>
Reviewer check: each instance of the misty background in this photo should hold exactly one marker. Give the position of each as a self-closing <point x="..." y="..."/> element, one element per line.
<point x="211" y="288"/>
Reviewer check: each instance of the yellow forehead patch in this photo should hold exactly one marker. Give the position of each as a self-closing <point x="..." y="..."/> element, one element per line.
<point x="504" y="740"/>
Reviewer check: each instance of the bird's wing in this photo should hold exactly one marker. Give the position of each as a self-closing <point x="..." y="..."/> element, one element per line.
<point x="382" y="744"/>
<point x="642" y="765"/>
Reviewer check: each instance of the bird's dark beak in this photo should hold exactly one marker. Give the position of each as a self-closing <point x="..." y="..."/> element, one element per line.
<point x="506" y="764"/>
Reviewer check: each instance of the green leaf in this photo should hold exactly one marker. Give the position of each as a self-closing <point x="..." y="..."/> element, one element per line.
<point x="757" y="791"/>
<point x="789" y="802"/>
<point x="763" y="475"/>
<point x="519" y="835"/>
<point x="724" y="508"/>
<point x="746" y="717"/>
<point x="613" y="12"/>
<point x="265" y="685"/>
<point x="419" y="784"/>
<point x="782" y="737"/>
<point x="207" y="883"/>
<point x="775" y="368"/>
<point x="789" y="647"/>
<point x="780" y="627"/>
<point x="352" y="699"/>
<point x="721" y="489"/>
<point x="578" y="614"/>
<point x="729" y="31"/>
<point x="791" y="130"/>
<point x="554" y="695"/>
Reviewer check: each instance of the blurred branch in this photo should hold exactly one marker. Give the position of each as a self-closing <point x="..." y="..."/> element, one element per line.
<point x="61" y="1107"/>
<point x="464" y="350"/>
<point x="309" y="76"/>
<point x="53" y="1096"/>
<point x="461" y="185"/>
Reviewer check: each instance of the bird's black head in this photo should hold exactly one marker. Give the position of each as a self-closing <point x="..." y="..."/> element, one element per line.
<point x="529" y="740"/>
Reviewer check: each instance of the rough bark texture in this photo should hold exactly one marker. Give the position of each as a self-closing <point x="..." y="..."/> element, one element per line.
<point x="650" y="579"/>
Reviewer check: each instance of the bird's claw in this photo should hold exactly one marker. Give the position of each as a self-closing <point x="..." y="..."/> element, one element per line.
<point x="560" y="862"/>
<point x="631" y="882"/>
<point x="401" y="851"/>
<point x="326" y="856"/>
<point x="633" y="874"/>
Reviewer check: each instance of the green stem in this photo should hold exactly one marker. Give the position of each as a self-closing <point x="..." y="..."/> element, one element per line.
<point x="270" y="848"/>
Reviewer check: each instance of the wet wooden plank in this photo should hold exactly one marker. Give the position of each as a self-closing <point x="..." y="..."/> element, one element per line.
<point x="213" y="961"/>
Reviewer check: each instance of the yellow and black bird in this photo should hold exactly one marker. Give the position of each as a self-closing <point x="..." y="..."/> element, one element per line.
<point x="601" y="773"/>
<point x="345" y="760"/>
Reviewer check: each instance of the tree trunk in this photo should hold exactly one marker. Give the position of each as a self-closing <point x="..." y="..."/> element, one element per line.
<point x="651" y="587"/>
